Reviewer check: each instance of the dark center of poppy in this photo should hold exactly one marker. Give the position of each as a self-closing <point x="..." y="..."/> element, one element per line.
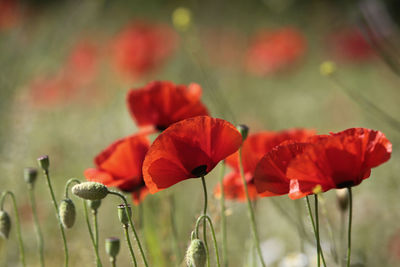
<point x="161" y="127"/>
<point x="345" y="184"/>
<point x="199" y="171"/>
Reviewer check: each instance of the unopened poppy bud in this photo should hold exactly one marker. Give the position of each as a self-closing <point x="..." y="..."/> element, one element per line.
<point x="112" y="246"/>
<point x="94" y="204"/>
<point x="44" y="162"/>
<point x="123" y="217"/>
<point x="5" y="224"/>
<point x="244" y="130"/>
<point x="67" y="213"/>
<point x="90" y="190"/>
<point x="327" y="68"/>
<point x="30" y="175"/>
<point x="196" y="254"/>
<point x="342" y="196"/>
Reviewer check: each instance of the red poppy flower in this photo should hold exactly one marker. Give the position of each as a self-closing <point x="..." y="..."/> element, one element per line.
<point x="142" y="47"/>
<point x="188" y="149"/>
<point x="120" y="165"/>
<point x="257" y="145"/>
<point x="161" y="103"/>
<point x="272" y="51"/>
<point x="342" y="160"/>
<point x="234" y="189"/>
<point x="10" y="13"/>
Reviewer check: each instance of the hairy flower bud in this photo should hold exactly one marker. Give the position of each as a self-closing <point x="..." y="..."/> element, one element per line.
<point x="67" y="213"/>
<point x="30" y="175"/>
<point x="342" y="196"/>
<point x="44" y="162"/>
<point x="123" y="217"/>
<point x="94" y="204"/>
<point x="5" y="224"/>
<point x="112" y="246"/>
<point x="244" y="130"/>
<point x="90" y="190"/>
<point x="196" y="254"/>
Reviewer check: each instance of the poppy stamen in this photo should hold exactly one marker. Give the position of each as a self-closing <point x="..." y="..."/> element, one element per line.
<point x="199" y="171"/>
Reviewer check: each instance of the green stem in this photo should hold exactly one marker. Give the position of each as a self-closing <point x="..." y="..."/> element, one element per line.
<point x="223" y="218"/>
<point x="314" y="228"/>
<point x="203" y="182"/>
<point x="132" y="226"/>
<point x="206" y="218"/>
<point x="96" y="229"/>
<point x="39" y="234"/>
<point x="53" y="199"/>
<point x="95" y="247"/>
<point x="349" y="229"/>
<point x="173" y="227"/>
<point x="113" y="261"/>
<point x="17" y="222"/>
<point x="128" y="241"/>
<point x="317" y="230"/>
<point x="250" y="210"/>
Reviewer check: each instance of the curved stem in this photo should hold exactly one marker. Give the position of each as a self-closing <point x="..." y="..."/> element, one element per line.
<point x="131" y="224"/>
<point x="203" y="182"/>
<point x="317" y="230"/>
<point x="128" y="241"/>
<point x="250" y="210"/>
<point x="68" y="183"/>
<point x="95" y="247"/>
<point x="53" y="199"/>
<point x="349" y="230"/>
<point x="173" y="227"/>
<point x="17" y="222"/>
<point x="314" y="228"/>
<point x="223" y="218"/>
<point x="206" y="218"/>
<point x="39" y="234"/>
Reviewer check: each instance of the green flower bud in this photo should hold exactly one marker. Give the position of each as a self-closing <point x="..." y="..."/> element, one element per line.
<point x="112" y="246"/>
<point x="244" y="130"/>
<point x="123" y="217"/>
<point x="44" y="162"/>
<point x="67" y="213"/>
<point x="30" y="175"/>
<point x="94" y="204"/>
<point x="90" y="190"/>
<point x="196" y="254"/>
<point x="5" y="224"/>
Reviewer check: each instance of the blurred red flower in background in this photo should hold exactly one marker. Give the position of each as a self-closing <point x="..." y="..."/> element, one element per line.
<point x="234" y="189"/>
<point x="10" y="13"/>
<point x="142" y="47"/>
<point x="275" y="50"/>
<point x="348" y="44"/>
<point x="188" y="149"/>
<point x="161" y="103"/>
<point x="120" y="165"/>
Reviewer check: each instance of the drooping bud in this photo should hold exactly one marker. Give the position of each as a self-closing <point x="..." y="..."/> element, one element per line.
<point x="90" y="190"/>
<point x="123" y="217"/>
<point x="30" y="175"/>
<point x="67" y="213"/>
<point x="5" y="224"/>
<point x="196" y="254"/>
<point x="94" y="204"/>
<point x="112" y="246"/>
<point x="244" y="130"/>
<point x="44" y="162"/>
<point x="342" y="196"/>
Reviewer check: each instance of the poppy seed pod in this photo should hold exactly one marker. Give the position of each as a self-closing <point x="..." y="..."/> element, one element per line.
<point x="30" y="175"/>
<point x="342" y="196"/>
<point x="5" y="224"/>
<point x="90" y="190"/>
<point x="44" y="162"/>
<point x="123" y="217"/>
<point x="244" y="130"/>
<point x="112" y="246"/>
<point x="94" y="204"/>
<point x="196" y="254"/>
<point x="67" y="213"/>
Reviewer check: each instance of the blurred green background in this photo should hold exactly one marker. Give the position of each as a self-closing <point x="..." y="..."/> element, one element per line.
<point x="38" y="40"/>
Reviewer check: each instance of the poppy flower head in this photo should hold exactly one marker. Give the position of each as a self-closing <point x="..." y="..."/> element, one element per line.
<point x="120" y="165"/>
<point x="234" y="189"/>
<point x="188" y="149"/>
<point x="258" y="144"/>
<point x="341" y="160"/>
<point x="143" y="47"/>
<point x="162" y="103"/>
<point x="272" y="51"/>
